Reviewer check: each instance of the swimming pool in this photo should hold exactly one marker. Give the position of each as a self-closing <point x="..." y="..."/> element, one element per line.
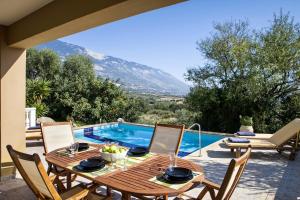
<point x="131" y="135"/>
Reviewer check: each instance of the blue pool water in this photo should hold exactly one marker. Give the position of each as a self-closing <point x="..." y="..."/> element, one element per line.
<point x="135" y="135"/>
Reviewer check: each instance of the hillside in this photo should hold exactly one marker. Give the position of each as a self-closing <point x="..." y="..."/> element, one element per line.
<point x="131" y="76"/>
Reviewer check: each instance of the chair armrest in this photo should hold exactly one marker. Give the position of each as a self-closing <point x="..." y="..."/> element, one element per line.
<point x="210" y="184"/>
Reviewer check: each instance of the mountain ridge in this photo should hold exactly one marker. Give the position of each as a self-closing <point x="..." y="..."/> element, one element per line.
<point x="132" y="76"/>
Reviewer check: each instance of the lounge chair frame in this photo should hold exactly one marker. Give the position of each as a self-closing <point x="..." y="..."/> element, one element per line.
<point x="291" y="145"/>
<point x="284" y="139"/>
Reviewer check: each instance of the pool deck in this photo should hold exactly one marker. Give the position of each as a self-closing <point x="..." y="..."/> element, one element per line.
<point x="267" y="176"/>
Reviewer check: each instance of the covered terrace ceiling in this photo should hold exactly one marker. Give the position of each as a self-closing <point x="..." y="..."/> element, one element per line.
<point x="31" y="22"/>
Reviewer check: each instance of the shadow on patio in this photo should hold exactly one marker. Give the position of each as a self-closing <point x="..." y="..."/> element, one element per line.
<point x="268" y="175"/>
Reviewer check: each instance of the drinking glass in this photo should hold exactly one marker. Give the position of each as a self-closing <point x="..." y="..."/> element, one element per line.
<point x="112" y="164"/>
<point x="73" y="148"/>
<point x="124" y="164"/>
<point x="173" y="158"/>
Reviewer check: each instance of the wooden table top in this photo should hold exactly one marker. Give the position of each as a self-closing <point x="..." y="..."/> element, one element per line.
<point x="134" y="180"/>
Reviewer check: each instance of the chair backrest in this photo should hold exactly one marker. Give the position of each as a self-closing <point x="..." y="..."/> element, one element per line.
<point x="56" y="135"/>
<point x="34" y="174"/>
<point x="166" y="138"/>
<point x="233" y="175"/>
<point x="285" y="133"/>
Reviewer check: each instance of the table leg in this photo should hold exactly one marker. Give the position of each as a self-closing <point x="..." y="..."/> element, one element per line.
<point x="49" y="168"/>
<point x="69" y="181"/>
<point x="108" y="192"/>
<point x="126" y="196"/>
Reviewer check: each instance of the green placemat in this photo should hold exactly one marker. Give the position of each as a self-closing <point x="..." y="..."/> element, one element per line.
<point x="94" y="174"/>
<point x="140" y="159"/>
<point x="160" y="181"/>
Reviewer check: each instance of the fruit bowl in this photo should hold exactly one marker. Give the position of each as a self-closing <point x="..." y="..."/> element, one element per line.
<point x="113" y="153"/>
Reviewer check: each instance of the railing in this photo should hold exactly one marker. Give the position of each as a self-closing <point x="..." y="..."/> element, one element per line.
<point x="30" y="117"/>
<point x="199" y="136"/>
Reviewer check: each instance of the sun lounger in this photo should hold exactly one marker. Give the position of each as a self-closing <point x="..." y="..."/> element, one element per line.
<point x="33" y="134"/>
<point x="256" y="136"/>
<point x="238" y="140"/>
<point x="278" y="141"/>
<point x="251" y="135"/>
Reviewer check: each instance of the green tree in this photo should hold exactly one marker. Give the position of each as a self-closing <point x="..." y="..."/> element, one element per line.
<point x="72" y="90"/>
<point x="42" y="71"/>
<point x="248" y="73"/>
<point x="86" y="98"/>
<point x="36" y="91"/>
<point x="43" y="64"/>
<point x="278" y="64"/>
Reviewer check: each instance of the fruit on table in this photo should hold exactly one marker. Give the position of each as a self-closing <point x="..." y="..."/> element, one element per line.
<point x="113" y="149"/>
<point x="105" y="149"/>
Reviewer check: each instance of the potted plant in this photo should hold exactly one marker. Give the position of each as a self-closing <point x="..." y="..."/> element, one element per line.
<point x="246" y="123"/>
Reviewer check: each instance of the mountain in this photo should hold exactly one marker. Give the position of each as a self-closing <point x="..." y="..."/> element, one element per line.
<point x="131" y="76"/>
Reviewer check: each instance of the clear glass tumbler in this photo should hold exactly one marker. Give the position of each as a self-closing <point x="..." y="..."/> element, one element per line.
<point x="124" y="163"/>
<point x="73" y="149"/>
<point x="173" y="160"/>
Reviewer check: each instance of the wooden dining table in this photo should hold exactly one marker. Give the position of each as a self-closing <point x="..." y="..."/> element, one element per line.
<point x="136" y="179"/>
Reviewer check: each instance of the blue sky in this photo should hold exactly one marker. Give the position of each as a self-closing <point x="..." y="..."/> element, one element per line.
<point x="166" y="38"/>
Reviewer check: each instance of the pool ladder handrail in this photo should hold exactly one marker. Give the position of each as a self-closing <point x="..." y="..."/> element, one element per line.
<point x="199" y="136"/>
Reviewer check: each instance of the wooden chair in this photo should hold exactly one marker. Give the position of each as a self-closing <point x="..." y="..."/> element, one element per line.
<point x="279" y="140"/>
<point x="166" y="138"/>
<point x="36" y="177"/>
<point x="230" y="181"/>
<point x="57" y="135"/>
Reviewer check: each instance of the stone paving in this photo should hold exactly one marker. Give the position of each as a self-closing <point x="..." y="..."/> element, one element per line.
<point x="268" y="175"/>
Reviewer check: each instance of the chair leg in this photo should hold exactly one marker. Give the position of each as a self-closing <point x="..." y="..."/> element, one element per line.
<point x="162" y="197"/>
<point x="212" y="193"/>
<point x="297" y="141"/>
<point x="202" y="193"/>
<point x="49" y="168"/>
<point x="238" y="152"/>
<point x="279" y="150"/>
<point x="60" y="186"/>
<point x="292" y="155"/>
<point x="73" y="177"/>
